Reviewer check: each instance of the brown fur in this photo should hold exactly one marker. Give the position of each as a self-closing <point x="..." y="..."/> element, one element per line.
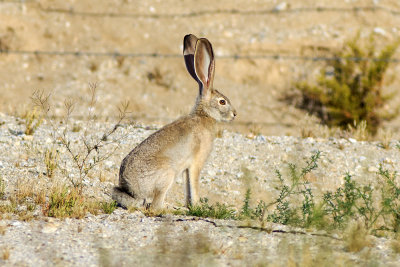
<point x="182" y="146"/>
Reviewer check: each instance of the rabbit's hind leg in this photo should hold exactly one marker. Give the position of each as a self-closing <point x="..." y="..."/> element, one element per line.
<point x="161" y="191"/>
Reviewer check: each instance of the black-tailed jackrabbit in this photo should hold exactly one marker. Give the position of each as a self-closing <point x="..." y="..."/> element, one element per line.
<point x="183" y="146"/>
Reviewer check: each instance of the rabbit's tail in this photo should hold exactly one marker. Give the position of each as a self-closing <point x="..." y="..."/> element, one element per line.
<point x="125" y="200"/>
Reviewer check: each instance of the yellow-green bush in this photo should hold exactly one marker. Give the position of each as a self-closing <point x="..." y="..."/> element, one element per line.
<point x="349" y="88"/>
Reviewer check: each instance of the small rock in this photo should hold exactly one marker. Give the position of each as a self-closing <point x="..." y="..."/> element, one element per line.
<point x="261" y="138"/>
<point x="372" y="169"/>
<point x="352" y="140"/>
<point x="50" y="227"/>
<point x="281" y="6"/>
<point x="211" y="172"/>
<point x="109" y="164"/>
<point x="27" y="137"/>
<point x="388" y="161"/>
<point x="16" y="223"/>
<point x="379" y="31"/>
<point x="14" y="132"/>
<point x="250" y="136"/>
<point x="242" y="239"/>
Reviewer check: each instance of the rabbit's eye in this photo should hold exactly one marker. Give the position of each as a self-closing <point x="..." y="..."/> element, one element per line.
<point x="222" y="102"/>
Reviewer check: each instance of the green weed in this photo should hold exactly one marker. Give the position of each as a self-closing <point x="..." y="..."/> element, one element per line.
<point x="69" y="202"/>
<point x="376" y="207"/>
<point x="217" y="211"/>
<point x="286" y="212"/>
<point x="108" y="207"/>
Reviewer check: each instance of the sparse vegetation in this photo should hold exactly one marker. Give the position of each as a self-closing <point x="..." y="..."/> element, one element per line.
<point x="5" y="255"/>
<point x="350" y="88"/>
<point x="217" y="211"/>
<point x="33" y="119"/>
<point x="395" y="244"/>
<point x="2" y="188"/>
<point x="87" y="152"/>
<point x="65" y="201"/>
<point x="358" y="131"/>
<point x="375" y="207"/>
<point x="285" y="212"/>
<point x="50" y="159"/>
<point x="108" y="207"/>
<point x="357" y="238"/>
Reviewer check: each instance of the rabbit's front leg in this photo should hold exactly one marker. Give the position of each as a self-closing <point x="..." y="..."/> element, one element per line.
<point x="191" y="176"/>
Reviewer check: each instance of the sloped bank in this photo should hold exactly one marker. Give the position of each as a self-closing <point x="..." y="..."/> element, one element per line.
<point x="237" y="163"/>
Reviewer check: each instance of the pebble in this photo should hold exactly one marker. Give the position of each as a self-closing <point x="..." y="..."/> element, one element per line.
<point x="373" y="169"/>
<point x="379" y="31"/>
<point x="50" y="227"/>
<point x="281" y="6"/>
<point x="352" y="140"/>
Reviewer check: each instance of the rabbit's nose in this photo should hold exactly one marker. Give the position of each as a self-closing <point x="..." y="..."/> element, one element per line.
<point x="234" y="113"/>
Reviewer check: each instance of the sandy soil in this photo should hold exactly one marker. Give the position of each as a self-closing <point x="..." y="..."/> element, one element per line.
<point x="159" y="88"/>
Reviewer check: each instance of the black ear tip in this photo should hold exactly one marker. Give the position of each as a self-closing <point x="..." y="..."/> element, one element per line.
<point x="189" y="36"/>
<point x="189" y="44"/>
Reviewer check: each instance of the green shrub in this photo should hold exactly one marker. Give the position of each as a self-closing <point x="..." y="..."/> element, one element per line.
<point x="375" y="206"/>
<point x="293" y="212"/>
<point x="350" y="88"/>
<point x="108" y="207"/>
<point x="68" y="201"/>
<point x="217" y="211"/>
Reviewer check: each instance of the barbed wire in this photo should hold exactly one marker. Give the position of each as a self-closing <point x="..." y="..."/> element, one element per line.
<point x="165" y="55"/>
<point x="275" y="56"/>
<point x="17" y="1"/>
<point x="269" y="11"/>
<point x="233" y="11"/>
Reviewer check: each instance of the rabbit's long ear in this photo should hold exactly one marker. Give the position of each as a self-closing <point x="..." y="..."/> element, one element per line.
<point x="189" y="47"/>
<point x="204" y="64"/>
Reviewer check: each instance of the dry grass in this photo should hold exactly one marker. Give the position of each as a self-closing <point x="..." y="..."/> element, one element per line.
<point x="33" y="119"/>
<point x="89" y="150"/>
<point x="385" y="136"/>
<point x="24" y="190"/>
<point x="359" y="131"/>
<point x="3" y="229"/>
<point x="356" y="237"/>
<point x="2" y="188"/>
<point x="51" y="158"/>
<point x="5" y="255"/>
<point x="59" y="201"/>
<point x="69" y="202"/>
<point x="395" y="244"/>
<point x="310" y="127"/>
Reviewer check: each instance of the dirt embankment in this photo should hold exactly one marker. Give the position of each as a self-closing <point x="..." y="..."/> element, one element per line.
<point x="261" y="49"/>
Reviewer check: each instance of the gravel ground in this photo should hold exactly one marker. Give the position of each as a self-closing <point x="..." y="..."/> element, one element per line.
<point x="130" y="239"/>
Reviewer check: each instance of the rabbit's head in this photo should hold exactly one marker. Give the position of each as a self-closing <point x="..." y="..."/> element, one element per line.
<point x="200" y="63"/>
